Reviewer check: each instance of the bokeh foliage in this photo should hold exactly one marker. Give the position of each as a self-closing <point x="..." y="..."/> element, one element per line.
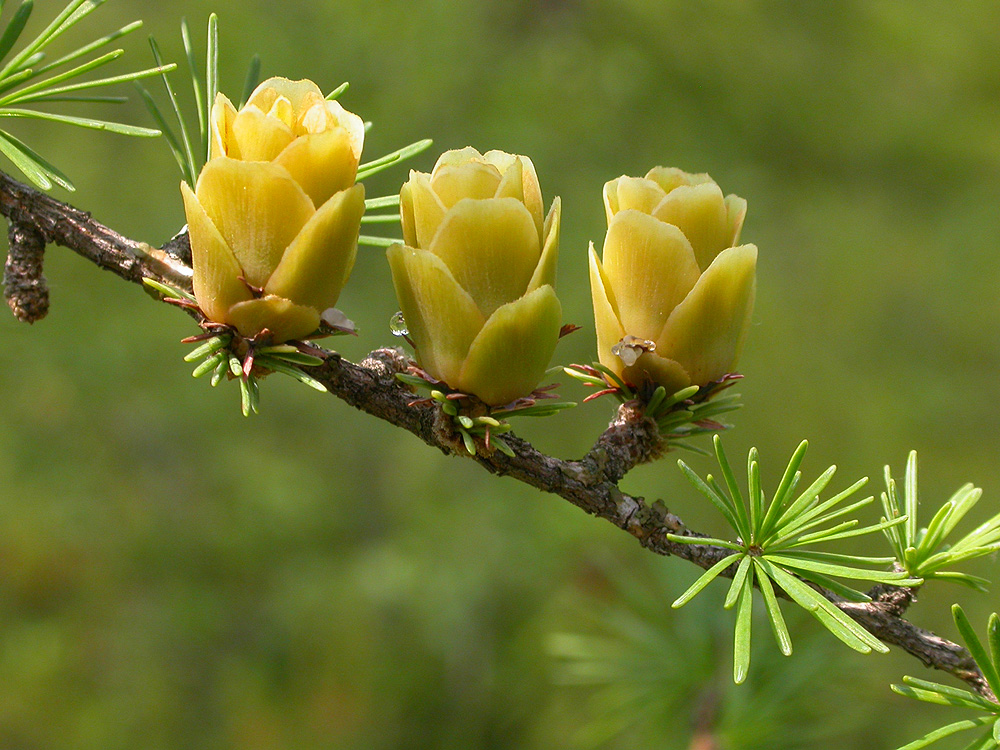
<point x="172" y="575"/>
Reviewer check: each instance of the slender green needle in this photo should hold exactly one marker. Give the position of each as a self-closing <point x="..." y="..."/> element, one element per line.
<point x="6" y="84"/>
<point x="209" y="347"/>
<point x="935" y="696"/>
<point x="832" y="534"/>
<point x="741" y="638"/>
<point x="832" y="618"/>
<point x="184" y="138"/>
<point x="680" y="444"/>
<point x="211" y="72"/>
<point x="613" y="378"/>
<point x="220" y="371"/>
<point x="196" y="82"/>
<point x="168" y="291"/>
<point x="707" y="541"/>
<point x="974" y="582"/>
<point x="910" y="496"/>
<point x="756" y="494"/>
<point x="975" y="646"/>
<point x="797" y="526"/>
<point x="28" y="166"/>
<point x="832" y="569"/>
<point x="993" y="638"/>
<point x="964" y="499"/>
<point x="13" y="30"/>
<point x="777" y="515"/>
<point x="30" y="62"/>
<point x="674" y="418"/>
<point x="778" y="625"/>
<point x="95" y="99"/>
<point x="539" y="410"/>
<point x="168" y="133"/>
<point x="373" y="167"/>
<point x="470" y="443"/>
<point x="502" y="446"/>
<point x="294" y="372"/>
<point x="298" y="358"/>
<point x="985" y="742"/>
<point x="742" y="570"/>
<point x="936" y="529"/>
<point x="658" y="397"/>
<point x="79" y="70"/>
<point x="41" y="172"/>
<point x="785" y="485"/>
<point x="244" y="396"/>
<point x="254" y="388"/>
<point x="840" y="589"/>
<point x="338" y="91"/>
<point x="719" y="501"/>
<point x="836" y="557"/>
<point x="736" y="505"/>
<point x="252" y="79"/>
<point x="386" y="201"/>
<point x="583" y="377"/>
<point x="945" y="731"/>
<point x="83" y="122"/>
<point x="821" y="512"/>
<point x="21" y="96"/>
<point x="704" y="579"/>
<point x="959" y="696"/>
<point x="365" y="239"/>
<point x="209" y="364"/>
<point x="734" y="491"/>
<point x="87" y="49"/>
<point x="950" y="557"/>
<point x="682" y="395"/>
<point x="69" y="15"/>
<point x="380" y="219"/>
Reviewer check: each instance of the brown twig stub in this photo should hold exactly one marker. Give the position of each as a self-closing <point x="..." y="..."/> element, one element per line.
<point x="590" y="483"/>
<point x="25" y="288"/>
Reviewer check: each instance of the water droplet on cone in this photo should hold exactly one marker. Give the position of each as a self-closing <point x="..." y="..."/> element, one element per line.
<point x="397" y="324"/>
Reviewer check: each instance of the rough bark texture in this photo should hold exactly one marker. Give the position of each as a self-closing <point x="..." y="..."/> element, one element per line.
<point x="590" y="483"/>
<point x="24" y="285"/>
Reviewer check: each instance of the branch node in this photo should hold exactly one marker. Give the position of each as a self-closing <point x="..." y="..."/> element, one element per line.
<point x="25" y="288"/>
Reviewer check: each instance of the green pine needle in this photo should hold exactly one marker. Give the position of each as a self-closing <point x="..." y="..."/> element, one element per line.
<point x="292" y="371"/>
<point x="211" y="74"/>
<point x="197" y="84"/>
<point x="371" y="241"/>
<point x="252" y="79"/>
<point x="770" y="536"/>
<point x="14" y="28"/>
<point x="184" y="137"/>
<point x="387" y="201"/>
<point x="926" y="552"/>
<point x="380" y="219"/>
<point x="946" y="695"/>
<point x="17" y="84"/>
<point x="335" y="94"/>
<point x="383" y="162"/>
<point x="34" y="167"/>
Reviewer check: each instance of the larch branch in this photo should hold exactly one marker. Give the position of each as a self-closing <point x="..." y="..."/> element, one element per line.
<point x="590" y="483"/>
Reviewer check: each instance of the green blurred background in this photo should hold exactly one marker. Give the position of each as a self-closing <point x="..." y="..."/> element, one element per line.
<point x="173" y="575"/>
